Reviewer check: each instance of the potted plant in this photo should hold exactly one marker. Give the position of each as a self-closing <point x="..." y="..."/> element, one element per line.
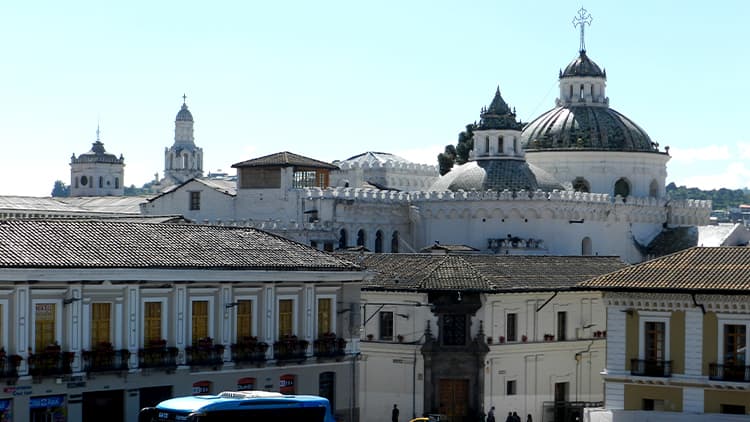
<point x="489" y="340"/>
<point x="524" y="338"/>
<point x="400" y="338"/>
<point x="501" y="339"/>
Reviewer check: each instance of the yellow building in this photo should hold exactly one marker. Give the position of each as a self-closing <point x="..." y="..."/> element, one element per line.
<point x="677" y="335"/>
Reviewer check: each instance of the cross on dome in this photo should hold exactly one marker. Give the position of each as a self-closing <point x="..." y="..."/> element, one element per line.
<point x="583" y="18"/>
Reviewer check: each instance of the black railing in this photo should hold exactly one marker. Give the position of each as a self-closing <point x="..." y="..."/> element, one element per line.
<point x="651" y="368"/>
<point x="290" y="348"/>
<point x="50" y="362"/>
<point x="105" y="360"/>
<point x="9" y="365"/>
<point x="727" y="372"/>
<point x="205" y="354"/>
<point x="329" y="346"/>
<point x="249" y="351"/>
<point x="158" y="357"/>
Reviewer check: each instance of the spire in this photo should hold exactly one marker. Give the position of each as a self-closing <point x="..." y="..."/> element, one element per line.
<point x="583" y="18"/>
<point x="498" y="115"/>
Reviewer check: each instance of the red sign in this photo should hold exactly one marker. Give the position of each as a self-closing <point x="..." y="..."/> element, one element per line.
<point x="286" y="384"/>
<point x="201" y="387"/>
<point x="247" y="383"/>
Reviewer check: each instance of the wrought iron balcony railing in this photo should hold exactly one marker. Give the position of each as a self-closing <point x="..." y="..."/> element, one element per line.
<point x="105" y="359"/>
<point x="249" y="351"/>
<point x="158" y="357"/>
<point x="328" y="345"/>
<point x="205" y="353"/>
<point x="651" y="368"/>
<point x="52" y="361"/>
<point x="290" y="348"/>
<point x="9" y="365"/>
<point x="729" y="372"/>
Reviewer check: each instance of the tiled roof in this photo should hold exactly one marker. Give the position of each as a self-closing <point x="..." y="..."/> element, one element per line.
<point x="109" y="244"/>
<point x="285" y="159"/>
<point x="670" y="240"/>
<point x="489" y="273"/>
<point x="227" y="187"/>
<point x="699" y="269"/>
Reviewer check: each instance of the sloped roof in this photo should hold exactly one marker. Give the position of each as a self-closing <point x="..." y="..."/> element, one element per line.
<point x="284" y="159"/>
<point x="107" y="204"/>
<point x="372" y="157"/>
<point x="487" y="273"/>
<point x="61" y="243"/>
<point x="227" y="187"/>
<point x="700" y="269"/>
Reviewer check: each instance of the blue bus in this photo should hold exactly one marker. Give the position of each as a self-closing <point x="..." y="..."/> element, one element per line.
<point x="235" y="406"/>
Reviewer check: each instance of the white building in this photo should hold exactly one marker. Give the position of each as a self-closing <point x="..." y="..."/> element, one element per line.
<point x="97" y="172"/>
<point x="183" y="160"/>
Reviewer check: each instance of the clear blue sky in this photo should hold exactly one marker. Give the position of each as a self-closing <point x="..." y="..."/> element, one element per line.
<point x="332" y="79"/>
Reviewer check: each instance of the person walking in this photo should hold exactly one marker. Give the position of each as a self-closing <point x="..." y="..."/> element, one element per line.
<point x="491" y="415"/>
<point x="528" y="418"/>
<point x="516" y="418"/>
<point x="394" y="414"/>
<point x="510" y="417"/>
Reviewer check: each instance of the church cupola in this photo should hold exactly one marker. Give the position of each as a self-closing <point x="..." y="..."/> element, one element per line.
<point x="97" y="172"/>
<point x="583" y="82"/>
<point x="498" y="134"/>
<point x="184" y="160"/>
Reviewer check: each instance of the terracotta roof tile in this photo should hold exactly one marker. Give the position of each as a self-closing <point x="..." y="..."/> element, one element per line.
<point x="63" y="243"/>
<point x="714" y="269"/>
<point x="490" y="273"/>
<point x="285" y="159"/>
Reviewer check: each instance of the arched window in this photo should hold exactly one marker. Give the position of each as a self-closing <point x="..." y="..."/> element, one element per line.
<point x="361" y="238"/>
<point x="622" y="188"/>
<point x="586" y="246"/>
<point x="84" y="180"/>
<point x="581" y="185"/>
<point x="394" y="242"/>
<point x="653" y="189"/>
<point x="486" y="145"/>
<point x="515" y="145"/>
<point x="500" y="145"/>
<point x="378" y="242"/>
<point x="342" y="239"/>
<point x="184" y="161"/>
<point x="570" y="95"/>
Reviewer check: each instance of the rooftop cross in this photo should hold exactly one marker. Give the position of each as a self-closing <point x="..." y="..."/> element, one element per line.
<point x="184" y="98"/>
<point x="583" y="18"/>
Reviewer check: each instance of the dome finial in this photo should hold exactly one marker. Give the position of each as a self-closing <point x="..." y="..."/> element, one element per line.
<point x="184" y="99"/>
<point x="97" y="131"/>
<point x="583" y="18"/>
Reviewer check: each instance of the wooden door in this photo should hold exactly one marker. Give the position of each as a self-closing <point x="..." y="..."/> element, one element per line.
<point x="454" y="397"/>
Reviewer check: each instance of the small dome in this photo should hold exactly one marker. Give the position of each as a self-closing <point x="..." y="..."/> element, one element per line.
<point x="582" y="66"/>
<point x="184" y="114"/>
<point x="584" y="127"/>
<point x="498" y="115"/>
<point x="497" y="175"/>
<point x="97" y="154"/>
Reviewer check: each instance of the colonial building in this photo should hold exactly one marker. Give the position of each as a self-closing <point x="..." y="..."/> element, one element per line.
<point x="455" y="334"/>
<point x="101" y="318"/>
<point x="582" y="179"/>
<point x="677" y="343"/>
<point x="183" y="160"/>
<point x="97" y="172"/>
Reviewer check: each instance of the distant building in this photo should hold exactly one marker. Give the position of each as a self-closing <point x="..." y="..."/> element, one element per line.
<point x="677" y="337"/>
<point x="97" y="172"/>
<point x="183" y="160"/>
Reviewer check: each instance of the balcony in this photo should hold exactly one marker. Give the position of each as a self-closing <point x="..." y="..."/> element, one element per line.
<point x="329" y="346"/>
<point x="104" y="358"/>
<point x="728" y="372"/>
<point x="52" y="361"/>
<point x="205" y="353"/>
<point x="9" y="365"/>
<point x="290" y="348"/>
<point x="249" y="350"/>
<point x="651" y="368"/>
<point x="158" y="356"/>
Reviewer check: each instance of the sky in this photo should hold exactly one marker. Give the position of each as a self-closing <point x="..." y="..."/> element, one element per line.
<point x="332" y="79"/>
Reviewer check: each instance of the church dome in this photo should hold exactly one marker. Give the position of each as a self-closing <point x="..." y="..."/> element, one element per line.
<point x="497" y="175"/>
<point x="585" y="127"/>
<point x="97" y="154"/>
<point x="184" y="114"/>
<point x="582" y="66"/>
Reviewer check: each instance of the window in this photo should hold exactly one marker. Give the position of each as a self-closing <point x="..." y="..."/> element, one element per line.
<point x="486" y="145"/>
<point x="394" y="242"/>
<point x="286" y="307"/>
<point x="562" y="322"/>
<point x="244" y="319"/>
<point x="655" y="344"/>
<point x="500" y="145"/>
<point x="733" y="409"/>
<point x="309" y="179"/>
<point x="510" y="327"/>
<point x="586" y="246"/>
<point x="735" y="344"/>
<point x="199" y="320"/>
<point x="117" y="183"/>
<point x="76" y="182"/>
<point x="378" y="242"/>
<point x="361" y="238"/>
<point x="386" y="325"/>
<point x="195" y="201"/>
<point x="454" y="330"/>
<point x="101" y="314"/>
<point x="653" y="189"/>
<point x="101" y="181"/>
<point x="622" y="188"/>
<point x="653" y="404"/>
<point x="84" y="180"/>
<point x="327" y="387"/>
<point x="581" y="185"/>
<point x="152" y="322"/>
<point x="324" y="316"/>
<point x="510" y="388"/>
<point x="44" y="325"/>
<point x="314" y="244"/>
<point x="342" y="239"/>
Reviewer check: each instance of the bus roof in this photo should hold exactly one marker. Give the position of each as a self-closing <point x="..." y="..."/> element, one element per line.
<point x="233" y="399"/>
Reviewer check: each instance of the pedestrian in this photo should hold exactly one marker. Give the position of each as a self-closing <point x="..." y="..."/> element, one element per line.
<point x="516" y="418"/>
<point x="394" y="414"/>
<point x="491" y="415"/>
<point x="510" y="417"/>
<point x="528" y="418"/>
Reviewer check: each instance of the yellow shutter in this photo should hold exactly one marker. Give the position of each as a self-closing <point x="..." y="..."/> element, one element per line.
<point x="324" y="316"/>
<point x="285" y="317"/>
<point x="44" y="329"/>
<point x="244" y="319"/>
<point x="200" y="320"/>
<point x="152" y="322"/>
<point x="100" y="323"/>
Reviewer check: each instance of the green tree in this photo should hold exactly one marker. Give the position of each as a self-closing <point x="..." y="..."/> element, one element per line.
<point x="60" y="189"/>
<point x="458" y="154"/>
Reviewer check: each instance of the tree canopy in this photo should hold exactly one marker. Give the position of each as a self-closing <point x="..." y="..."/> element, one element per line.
<point x="721" y="199"/>
<point x="459" y="153"/>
